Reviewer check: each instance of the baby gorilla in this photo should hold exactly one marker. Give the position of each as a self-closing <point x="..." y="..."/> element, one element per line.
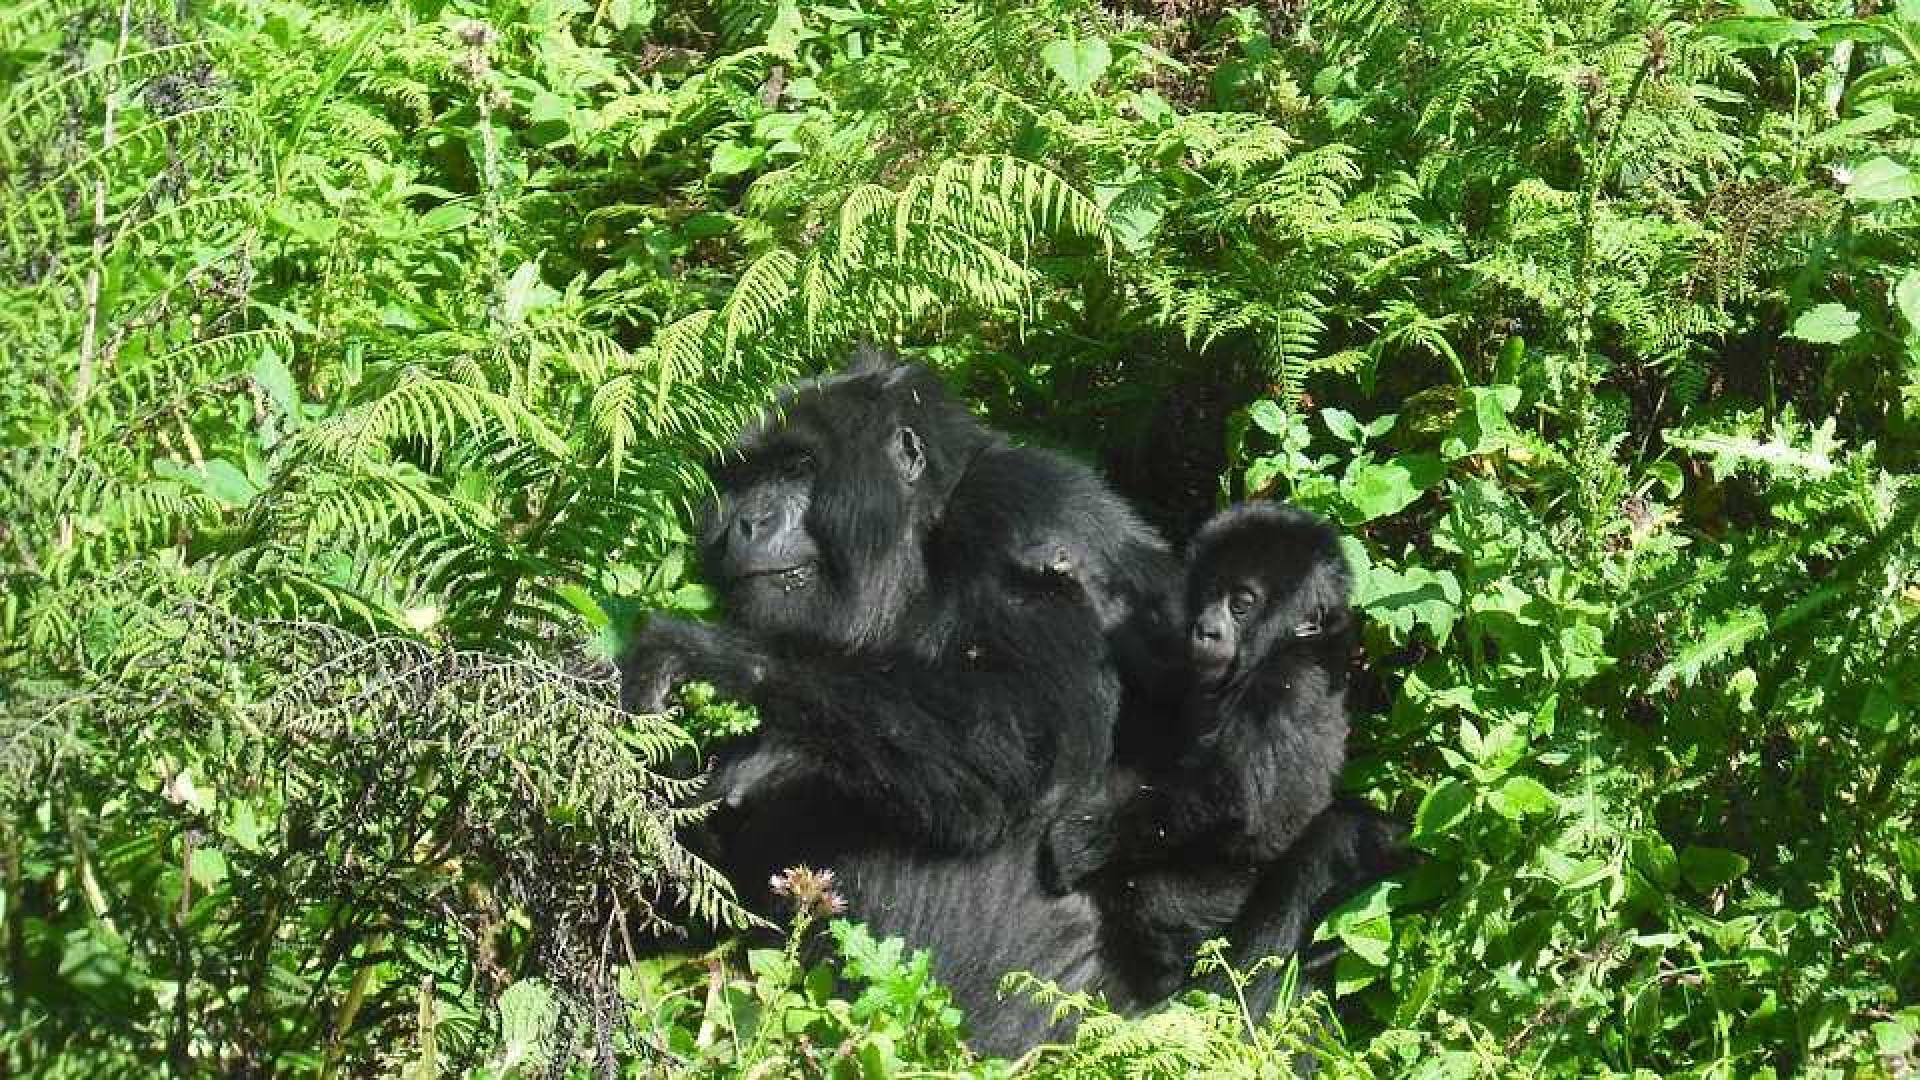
<point x="1175" y="851"/>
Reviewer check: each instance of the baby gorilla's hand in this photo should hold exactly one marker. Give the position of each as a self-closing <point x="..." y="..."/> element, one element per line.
<point x="1075" y="847"/>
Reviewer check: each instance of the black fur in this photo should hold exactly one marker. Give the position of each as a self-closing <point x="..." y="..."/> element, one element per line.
<point x="929" y="697"/>
<point x="1180" y="848"/>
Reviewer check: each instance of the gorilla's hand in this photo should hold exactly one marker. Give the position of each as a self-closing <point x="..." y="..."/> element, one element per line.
<point x="763" y="769"/>
<point x="667" y="653"/>
<point x="1077" y="844"/>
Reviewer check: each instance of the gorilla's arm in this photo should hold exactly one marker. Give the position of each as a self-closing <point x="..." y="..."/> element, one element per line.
<point x="1345" y="848"/>
<point x="953" y="753"/>
<point x="1145" y="824"/>
<point x="1265" y="772"/>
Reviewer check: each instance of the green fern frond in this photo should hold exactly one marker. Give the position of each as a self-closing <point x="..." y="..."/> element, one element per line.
<point x="757" y="297"/>
<point x="40" y="217"/>
<point x="348" y="123"/>
<point x="200" y="216"/>
<point x="185" y="375"/>
<point x="614" y="416"/>
<point x="436" y="412"/>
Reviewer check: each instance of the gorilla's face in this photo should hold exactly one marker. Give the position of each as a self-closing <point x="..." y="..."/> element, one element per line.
<point x="1226" y="608"/>
<point x="758" y="540"/>
<point x="822" y="507"/>
<point x="1263" y="578"/>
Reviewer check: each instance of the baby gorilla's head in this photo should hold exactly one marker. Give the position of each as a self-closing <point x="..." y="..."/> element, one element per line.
<point x="1260" y="577"/>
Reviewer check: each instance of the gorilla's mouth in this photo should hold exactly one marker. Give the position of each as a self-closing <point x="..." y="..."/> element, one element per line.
<point x="1211" y="669"/>
<point x="786" y="578"/>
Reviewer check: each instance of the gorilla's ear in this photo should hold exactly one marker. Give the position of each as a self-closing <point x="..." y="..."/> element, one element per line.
<point x="909" y="454"/>
<point x="868" y="358"/>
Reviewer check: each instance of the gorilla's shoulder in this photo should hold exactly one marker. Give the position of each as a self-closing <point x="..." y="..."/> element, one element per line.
<point x="1018" y="499"/>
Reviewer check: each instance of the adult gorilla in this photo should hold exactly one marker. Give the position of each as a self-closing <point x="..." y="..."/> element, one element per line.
<point x="929" y="696"/>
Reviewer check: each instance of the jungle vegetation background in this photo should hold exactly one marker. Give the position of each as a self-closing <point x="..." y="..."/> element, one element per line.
<point x="357" y="358"/>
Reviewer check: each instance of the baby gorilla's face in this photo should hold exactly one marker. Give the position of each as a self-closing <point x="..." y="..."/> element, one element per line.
<point x="1224" y="608"/>
<point x="1262" y="580"/>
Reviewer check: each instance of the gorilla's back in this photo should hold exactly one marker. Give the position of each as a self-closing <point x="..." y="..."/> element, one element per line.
<point x="982" y="914"/>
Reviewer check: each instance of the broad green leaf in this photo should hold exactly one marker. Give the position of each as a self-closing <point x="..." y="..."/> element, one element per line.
<point x="1741" y="685"/>
<point x="524" y="293"/>
<point x="277" y="381"/>
<point x="1502" y="747"/>
<point x="1653" y="857"/>
<point x="1574" y="875"/>
<point x="767" y="963"/>
<point x="1268" y="417"/>
<point x="1707" y="868"/>
<point x="1874" y="119"/>
<point x="1077" y="63"/>
<point x="1880" y="180"/>
<point x="732" y="158"/>
<point x="1414" y="1000"/>
<point x="1519" y="797"/>
<point x="549" y="119"/>
<point x="1668" y="476"/>
<point x="1405" y="599"/>
<point x="1757" y="31"/>
<point x="787" y="31"/>
<point x="1374" y="490"/>
<point x="581" y="599"/>
<point x="1906" y="297"/>
<point x="448" y="216"/>
<point x="1262" y="473"/>
<point x="1583" y="652"/>
<point x="1643" y="1011"/>
<point x="1730" y="453"/>
<point x="1373" y="903"/>
<point x="220" y="478"/>
<point x="1828" y="324"/>
<point x="208" y="867"/>
<point x="1343" y="426"/>
<point x="242" y="827"/>
<point x="1481" y="426"/>
<point x="1894" y="1038"/>
<point x="1443" y="807"/>
<point x="1451" y="1065"/>
<point x="1506" y="367"/>
<point x="1352" y="973"/>
<point x="1370" y="939"/>
<point x="1134" y="211"/>
<point x="1152" y="108"/>
<point x="1470" y="739"/>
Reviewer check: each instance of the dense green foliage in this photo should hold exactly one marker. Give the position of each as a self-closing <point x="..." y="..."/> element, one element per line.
<point x="357" y="360"/>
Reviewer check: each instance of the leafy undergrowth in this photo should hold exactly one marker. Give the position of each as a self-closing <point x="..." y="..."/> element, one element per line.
<point x="357" y="361"/>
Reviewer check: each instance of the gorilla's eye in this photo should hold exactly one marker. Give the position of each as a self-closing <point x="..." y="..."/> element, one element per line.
<point x="798" y="467"/>
<point x="1240" y="601"/>
<point x="1310" y="628"/>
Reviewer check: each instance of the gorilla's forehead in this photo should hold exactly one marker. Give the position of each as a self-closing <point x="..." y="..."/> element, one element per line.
<point x="1267" y="542"/>
<point x="826" y="410"/>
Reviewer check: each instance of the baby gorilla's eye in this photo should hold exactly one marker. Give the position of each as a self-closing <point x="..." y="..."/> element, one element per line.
<point x="1310" y="628"/>
<point x="1240" y="601"/>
